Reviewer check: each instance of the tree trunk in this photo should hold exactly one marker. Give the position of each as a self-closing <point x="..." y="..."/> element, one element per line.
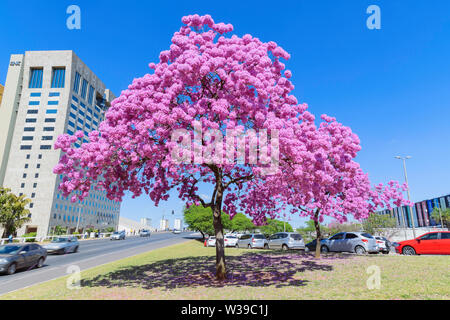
<point x="318" y="234"/>
<point x="220" y="244"/>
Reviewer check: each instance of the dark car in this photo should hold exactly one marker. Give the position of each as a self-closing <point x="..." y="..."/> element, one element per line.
<point x="19" y="256"/>
<point x="429" y="243"/>
<point x="311" y="246"/>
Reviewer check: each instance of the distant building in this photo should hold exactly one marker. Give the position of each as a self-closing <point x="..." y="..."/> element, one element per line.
<point x="177" y="224"/>
<point x="420" y="215"/>
<point x="163" y="224"/>
<point x="146" y="222"/>
<point x="128" y="225"/>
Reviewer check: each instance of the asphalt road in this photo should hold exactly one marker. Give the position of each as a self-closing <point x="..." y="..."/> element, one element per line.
<point x="90" y="254"/>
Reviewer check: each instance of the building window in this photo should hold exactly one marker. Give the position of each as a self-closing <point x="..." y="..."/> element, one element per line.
<point x="38" y="166"/>
<point x="34" y="185"/>
<point x="27" y="138"/>
<point x="53" y="103"/>
<point x="47" y="138"/>
<point x="84" y="89"/>
<point x="50" y="120"/>
<point x="76" y="84"/>
<point x="40" y="156"/>
<point x="25" y="147"/>
<point x="58" y="77"/>
<point x="49" y="129"/>
<point x="29" y="129"/>
<point x="35" y="94"/>
<point x="51" y="111"/>
<point x="36" y="78"/>
<point x="31" y="205"/>
<point x="91" y="95"/>
<point x="36" y="175"/>
<point x="53" y="94"/>
<point x="46" y="147"/>
<point x="26" y="165"/>
<point x="22" y="185"/>
<point x="32" y="111"/>
<point x="34" y="103"/>
<point x="33" y="195"/>
<point x="24" y="176"/>
<point x="31" y="120"/>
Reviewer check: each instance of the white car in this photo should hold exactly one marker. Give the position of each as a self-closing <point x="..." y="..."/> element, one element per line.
<point x="176" y="231"/>
<point x="211" y="242"/>
<point x="230" y="240"/>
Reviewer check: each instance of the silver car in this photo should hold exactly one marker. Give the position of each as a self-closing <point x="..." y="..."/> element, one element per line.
<point x="358" y="242"/>
<point x="117" y="236"/>
<point x="62" y="245"/>
<point x="19" y="256"/>
<point x="286" y="241"/>
<point x="144" y="233"/>
<point x="252" y="240"/>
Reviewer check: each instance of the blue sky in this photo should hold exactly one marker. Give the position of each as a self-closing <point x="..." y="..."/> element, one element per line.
<point x="391" y="86"/>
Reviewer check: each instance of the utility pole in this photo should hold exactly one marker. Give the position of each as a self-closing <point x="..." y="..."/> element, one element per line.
<point x="409" y="196"/>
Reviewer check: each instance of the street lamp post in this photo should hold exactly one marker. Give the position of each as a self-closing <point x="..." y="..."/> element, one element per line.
<point x="409" y="196"/>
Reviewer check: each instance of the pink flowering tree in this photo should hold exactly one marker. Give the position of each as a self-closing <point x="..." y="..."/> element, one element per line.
<point x="171" y="129"/>
<point x="320" y="177"/>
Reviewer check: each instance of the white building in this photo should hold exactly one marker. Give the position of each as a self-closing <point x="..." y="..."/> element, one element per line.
<point x="163" y="224"/>
<point x="129" y="226"/>
<point x="48" y="93"/>
<point x="146" y="222"/>
<point x="177" y="224"/>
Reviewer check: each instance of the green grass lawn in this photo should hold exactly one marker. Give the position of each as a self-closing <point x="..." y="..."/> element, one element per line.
<point x="186" y="271"/>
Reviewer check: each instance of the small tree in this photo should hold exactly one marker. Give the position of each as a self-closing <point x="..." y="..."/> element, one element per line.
<point x="378" y="223"/>
<point x="274" y="226"/>
<point x="241" y="223"/>
<point x="13" y="212"/>
<point x="59" y="231"/>
<point x="198" y="218"/>
<point x="444" y="214"/>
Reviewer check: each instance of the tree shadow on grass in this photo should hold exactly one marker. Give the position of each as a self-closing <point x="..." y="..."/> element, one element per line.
<point x="259" y="269"/>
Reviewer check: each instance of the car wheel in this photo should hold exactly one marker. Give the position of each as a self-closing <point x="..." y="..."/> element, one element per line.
<point x="62" y="251"/>
<point x="266" y="246"/>
<point x="284" y="247"/>
<point x="11" y="269"/>
<point x="324" y="249"/>
<point x="40" y="262"/>
<point x="385" y="252"/>
<point x="249" y="247"/>
<point x="237" y="245"/>
<point x="409" y="251"/>
<point x="360" y="250"/>
<point x="76" y="249"/>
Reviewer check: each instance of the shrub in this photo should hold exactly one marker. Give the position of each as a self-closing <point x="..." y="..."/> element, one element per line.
<point x="29" y="235"/>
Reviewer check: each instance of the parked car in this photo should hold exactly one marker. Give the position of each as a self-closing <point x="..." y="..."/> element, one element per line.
<point x="118" y="235"/>
<point x="358" y="242"/>
<point x="19" y="256"/>
<point x="230" y="240"/>
<point x="429" y="243"/>
<point x="176" y="231"/>
<point x="384" y="245"/>
<point x="62" y="245"/>
<point x="311" y="246"/>
<point x="211" y="242"/>
<point x="252" y="240"/>
<point x="286" y="241"/>
<point x="144" y="233"/>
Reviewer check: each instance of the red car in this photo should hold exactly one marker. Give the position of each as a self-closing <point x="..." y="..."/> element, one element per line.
<point x="429" y="243"/>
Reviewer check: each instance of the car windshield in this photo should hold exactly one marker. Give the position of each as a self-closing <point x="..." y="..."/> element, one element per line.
<point x="259" y="236"/>
<point x="211" y="238"/>
<point x="231" y="237"/>
<point x="9" y="249"/>
<point x="59" y="240"/>
<point x="296" y="236"/>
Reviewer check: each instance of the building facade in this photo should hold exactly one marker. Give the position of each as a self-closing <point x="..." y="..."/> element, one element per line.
<point x="177" y="224"/>
<point x="48" y="93"/>
<point x="164" y="224"/>
<point x="146" y="222"/>
<point x="419" y="215"/>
